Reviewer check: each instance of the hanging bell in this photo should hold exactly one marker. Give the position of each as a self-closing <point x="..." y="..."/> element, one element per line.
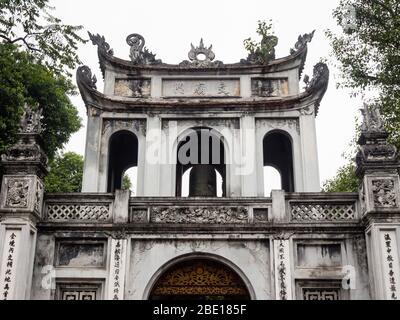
<point x="203" y="181"/>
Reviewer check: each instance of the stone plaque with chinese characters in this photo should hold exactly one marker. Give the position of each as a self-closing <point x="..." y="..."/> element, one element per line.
<point x="390" y="262"/>
<point x="269" y="87"/>
<point x="133" y="88"/>
<point x="117" y="269"/>
<point x="283" y="282"/>
<point x="8" y="265"/>
<point x="201" y="88"/>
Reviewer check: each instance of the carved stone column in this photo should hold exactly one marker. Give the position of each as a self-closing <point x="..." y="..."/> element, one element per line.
<point x="21" y="201"/>
<point x="377" y="168"/>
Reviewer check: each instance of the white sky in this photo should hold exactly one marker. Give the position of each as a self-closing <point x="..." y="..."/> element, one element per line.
<point x="170" y="26"/>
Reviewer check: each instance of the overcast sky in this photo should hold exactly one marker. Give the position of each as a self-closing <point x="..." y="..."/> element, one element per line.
<point x="170" y="26"/>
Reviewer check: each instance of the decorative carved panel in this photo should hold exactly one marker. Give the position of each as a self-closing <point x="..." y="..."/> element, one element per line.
<point x="201" y="277"/>
<point x="200" y="215"/>
<point x="261" y="87"/>
<point x="80" y="254"/>
<point x="321" y="294"/>
<point x="323" y="211"/>
<point x="138" y="215"/>
<point x="17" y="193"/>
<point x="78" y="212"/>
<point x="260" y="215"/>
<point x="384" y="193"/>
<point x="133" y="88"/>
<point x="79" y="291"/>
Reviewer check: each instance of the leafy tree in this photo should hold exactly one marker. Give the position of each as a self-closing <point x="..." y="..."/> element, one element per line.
<point x="37" y="53"/>
<point x="368" y="52"/>
<point x="24" y="81"/>
<point x="30" y="25"/>
<point x="65" y="175"/>
<point x="345" y="180"/>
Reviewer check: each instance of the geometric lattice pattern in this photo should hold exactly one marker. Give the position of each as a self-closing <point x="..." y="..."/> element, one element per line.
<point x="321" y="294"/>
<point x="68" y="212"/>
<point x="322" y="212"/>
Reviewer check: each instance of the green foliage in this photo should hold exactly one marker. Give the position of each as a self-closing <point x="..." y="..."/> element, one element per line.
<point x="126" y="183"/>
<point x="264" y="50"/>
<point x="66" y="173"/>
<point x="36" y="53"/>
<point x="368" y="52"/>
<point x="344" y="181"/>
<point x="24" y="81"/>
<point x="29" y="24"/>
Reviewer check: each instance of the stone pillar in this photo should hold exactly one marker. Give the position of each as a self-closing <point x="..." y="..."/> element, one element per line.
<point x="248" y="166"/>
<point x="377" y="168"/>
<point x="153" y="157"/>
<point x="309" y="151"/>
<point x="90" y="182"/>
<point x="21" y="201"/>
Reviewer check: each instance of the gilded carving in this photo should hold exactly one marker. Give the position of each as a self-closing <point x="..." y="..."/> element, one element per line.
<point x="200" y="215"/>
<point x="200" y="278"/>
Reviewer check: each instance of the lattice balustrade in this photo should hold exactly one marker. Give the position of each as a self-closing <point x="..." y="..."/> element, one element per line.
<point x="323" y="211"/>
<point x="78" y="212"/>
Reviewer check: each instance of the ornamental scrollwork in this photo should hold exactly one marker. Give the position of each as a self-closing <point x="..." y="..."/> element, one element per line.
<point x="372" y="119"/>
<point x="384" y="193"/>
<point x="101" y="43"/>
<point x="17" y="193"/>
<point x="302" y="42"/>
<point x="31" y="121"/>
<point x="205" y="215"/>
<point x="320" y="78"/>
<point x="139" y="54"/>
<point x="85" y="76"/>
<point x="194" y="56"/>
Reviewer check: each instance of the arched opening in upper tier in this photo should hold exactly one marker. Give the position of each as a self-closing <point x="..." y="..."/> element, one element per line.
<point x="278" y="154"/>
<point x="123" y="155"/>
<point x="201" y="169"/>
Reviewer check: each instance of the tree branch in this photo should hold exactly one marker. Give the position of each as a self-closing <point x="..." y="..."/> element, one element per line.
<point x="23" y="39"/>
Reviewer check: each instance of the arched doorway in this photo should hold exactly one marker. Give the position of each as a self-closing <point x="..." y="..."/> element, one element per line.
<point x="200" y="279"/>
<point x="278" y="154"/>
<point x="123" y="155"/>
<point x="201" y="168"/>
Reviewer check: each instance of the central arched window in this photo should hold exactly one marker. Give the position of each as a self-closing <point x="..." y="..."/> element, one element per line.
<point x="201" y="169"/>
<point x="278" y="161"/>
<point x="123" y="156"/>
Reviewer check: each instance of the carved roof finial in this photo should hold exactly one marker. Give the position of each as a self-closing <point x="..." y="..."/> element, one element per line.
<point x="31" y="121"/>
<point x="139" y="54"/>
<point x="302" y="42"/>
<point x="201" y="56"/>
<point x="372" y="119"/>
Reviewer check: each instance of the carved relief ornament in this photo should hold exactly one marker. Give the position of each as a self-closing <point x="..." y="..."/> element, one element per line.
<point x="384" y="193"/>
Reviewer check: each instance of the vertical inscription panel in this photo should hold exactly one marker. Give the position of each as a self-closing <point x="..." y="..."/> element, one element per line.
<point x="201" y="88"/>
<point x="391" y="272"/>
<point x="283" y="278"/>
<point x="8" y="267"/>
<point x="117" y="269"/>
